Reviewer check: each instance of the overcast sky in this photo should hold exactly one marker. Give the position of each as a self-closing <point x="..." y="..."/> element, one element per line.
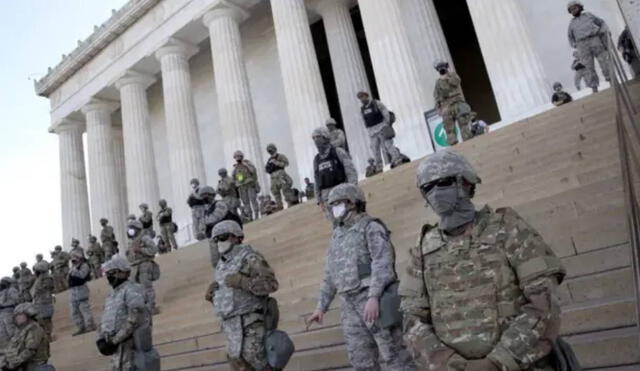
<point x="34" y="35"/>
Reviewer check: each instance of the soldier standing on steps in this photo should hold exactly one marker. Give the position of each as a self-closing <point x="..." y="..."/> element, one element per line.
<point x="60" y="268"/>
<point x="79" y="275"/>
<point x="246" y="178"/>
<point x="28" y="349"/>
<point x="42" y="293"/>
<point x="450" y="103"/>
<point x="9" y="298"/>
<point x="338" y="139"/>
<point x="146" y="218"/>
<point x="228" y="191"/>
<point x="281" y="182"/>
<point x="75" y="246"/>
<point x="196" y="204"/>
<point x="165" y="220"/>
<point x="372" y="169"/>
<point x="141" y="254"/>
<point x="25" y="282"/>
<point x="309" y="189"/>
<point x="377" y="120"/>
<point x="108" y="239"/>
<point x="480" y="293"/>
<point x="560" y="96"/>
<point x="243" y="280"/>
<point x="360" y="267"/>
<point x="96" y="256"/>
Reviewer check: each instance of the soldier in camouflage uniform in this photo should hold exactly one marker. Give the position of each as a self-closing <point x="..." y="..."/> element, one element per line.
<point x="228" y="191"/>
<point x="75" y="246"/>
<point x="243" y="280"/>
<point x="378" y="120"/>
<point x="60" y="268"/>
<point x="108" y="239"/>
<point x="167" y="228"/>
<point x="79" y="275"/>
<point x="28" y="349"/>
<point x="246" y="178"/>
<point x="480" y="293"/>
<point x="338" y="139"/>
<point x="589" y="34"/>
<point x="196" y="204"/>
<point x="9" y="298"/>
<point x="371" y="168"/>
<point x="450" y="103"/>
<point x="267" y="206"/>
<point x="360" y="267"/>
<point x="25" y="282"/>
<point x="309" y="189"/>
<point x="146" y="218"/>
<point x="96" y="256"/>
<point x="141" y="254"/>
<point x="280" y="180"/>
<point x="125" y="313"/>
<point x="16" y="279"/>
<point x="42" y="292"/>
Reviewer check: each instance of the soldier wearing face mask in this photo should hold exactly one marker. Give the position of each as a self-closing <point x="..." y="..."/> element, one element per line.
<point x="243" y="280"/>
<point x="196" y="204"/>
<point x="141" y="254"/>
<point x="360" y="268"/>
<point x="480" y="293"/>
<point x="450" y="103"/>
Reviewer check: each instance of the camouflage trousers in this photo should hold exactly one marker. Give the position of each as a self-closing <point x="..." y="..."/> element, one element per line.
<point x="45" y="313"/>
<point x="142" y="274"/>
<point x="281" y="184"/>
<point x="249" y="197"/>
<point x="81" y="314"/>
<point x="7" y="326"/>
<point x="456" y="111"/>
<point x="379" y="144"/>
<point x="245" y="342"/>
<point x="96" y="268"/>
<point x="169" y="238"/>
<point x="197" y="214"/>
<point x="109" y="250"/>
<point x="123" y="358"/>
<point x="588" y="51"/>
<point x="233" y="203"/>
<point x="583" y="74"/>
<point x="367" y="341"/>
<point x="60" y="279"/>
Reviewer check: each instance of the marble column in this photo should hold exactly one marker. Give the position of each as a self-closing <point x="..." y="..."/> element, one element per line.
<point x="104" y="177"/>
<point x="118" y="150"/>
<point x="76" y="222"/>
<point x="304" y="92"/>
<point x="235" y="105"/>
<point x="141" y="175"/>
<point x="349" y="72"/>
<point x="396" y="73"/>
<point x="185" y="154"/>
<point x="516" y="73"/>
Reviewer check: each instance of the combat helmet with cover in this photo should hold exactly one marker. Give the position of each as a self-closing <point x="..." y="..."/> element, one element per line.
<point x="227" y="227"/>
<point x="445" y="164"/>
<point x="346" y="191"/>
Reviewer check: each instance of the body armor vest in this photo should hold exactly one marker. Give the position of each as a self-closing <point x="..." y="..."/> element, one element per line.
<point x="371" y="114"/>
<point x="230" y="302"/>
<point x="329" y="170"/>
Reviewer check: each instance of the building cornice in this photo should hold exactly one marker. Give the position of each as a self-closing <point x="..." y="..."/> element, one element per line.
<point x="102" y="36"/>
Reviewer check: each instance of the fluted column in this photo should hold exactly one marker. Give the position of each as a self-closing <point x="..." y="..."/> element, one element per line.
<point x="73" y="181"/>
<point x="235" y="106"/>
<point x="349" y="73"/>
<point x="141" y="175"/>
<point x="304" y="92"/>
<point x="185" y="154"/>
<point x="118" y="151"/>
<point x="396" y="73"/>
<point x="104" y="176"/>
<point x="514" y="68"/>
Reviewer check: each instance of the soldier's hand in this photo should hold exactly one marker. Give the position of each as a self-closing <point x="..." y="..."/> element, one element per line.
<point x="317" y="316"/>
<point x="208" y="296"/>
<point x="234" y="280"/>
<point x="371" y="310"/>
<point x="481" y="365"/>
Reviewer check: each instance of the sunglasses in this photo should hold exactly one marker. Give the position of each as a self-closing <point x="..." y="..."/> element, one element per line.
<point x="440" y="183"/>
<point x="222" y="237"/>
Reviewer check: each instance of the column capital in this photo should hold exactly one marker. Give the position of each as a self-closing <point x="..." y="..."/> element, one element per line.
<point x="135" y="77"/>
<point x="322" y="6"/>
<point x="66" y="124"/>
<point x="97" y="104"/>
<point x="176" y="46"/>
<point x="225" y="9"/>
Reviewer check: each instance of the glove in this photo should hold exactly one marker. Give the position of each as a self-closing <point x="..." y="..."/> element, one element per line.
<point x="481" y="365"/>
<point x="235" y="281"/>
<point x="208" y="296"/>
<point x="105" y="347"/>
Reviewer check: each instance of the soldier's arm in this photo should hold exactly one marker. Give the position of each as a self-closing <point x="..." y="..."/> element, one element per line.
<point x="327" y="291"/>
<point x="349" y="169"/>
<point x="281" y="161"/>
<point x="536" y="323"/>
<point x="261" y="278"/>
<point x="384" y="111"/>
<point x="382" y="259"/>
<point x="453" y="79"/>
<point x="572" y="38"/>
<point x="134" y="301"/>
<point x="218" y="213"/>
<point x="149" y="247"/>
<point x="31" y="344"/>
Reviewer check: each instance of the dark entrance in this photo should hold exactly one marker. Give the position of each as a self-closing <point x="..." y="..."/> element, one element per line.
<point x="465" y="50"/>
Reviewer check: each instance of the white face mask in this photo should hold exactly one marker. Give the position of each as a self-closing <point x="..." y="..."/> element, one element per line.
<point x="131" y="232"/>
<point x="224" y="246"/>
<point x="339" y="210"/>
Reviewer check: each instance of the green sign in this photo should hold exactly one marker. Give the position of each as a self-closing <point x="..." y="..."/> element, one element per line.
<point x="440" y="135"/>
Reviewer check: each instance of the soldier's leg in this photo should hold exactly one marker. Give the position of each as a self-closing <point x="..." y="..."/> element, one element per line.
<point x="587" y="59"/>
<point x="393" y="154"/>
<point x="392" y="348"/>
<point x="172" y="237"/>
<point x="253" y="351"/>
<point x="465" y="129"/>
<point x="253" y="198"/>
<point x="76" y="315"/>
<point x="246" y="204"/>
<point x="287" y="188"/>
<point x="276" y="188"/>
<point x="603" y="60"/>
<point x="47" y="325"/>
<point x="361" y="346"/>
<point x="87" y="316"/>
<point x="374" y="143"/>
<point x="144" y="278"/>
<point x="449" y="123"/>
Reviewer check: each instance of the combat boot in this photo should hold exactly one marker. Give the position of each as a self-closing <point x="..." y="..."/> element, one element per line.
<point x="79" y="332"/>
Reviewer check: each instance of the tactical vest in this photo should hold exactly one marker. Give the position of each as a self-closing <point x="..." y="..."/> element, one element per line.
<point x="21" y="341"/>
<point x="242" y="174"/>
<point x="135" y="258"/>
<point x="329" y="171"/>
<point x="166" y="218"/>
<point x="371" y="114"/>
<point x="231" y="302"/>
<point x="147" y="221"/>
<point x="115" y="311"/>
<point x="473" y="290"/>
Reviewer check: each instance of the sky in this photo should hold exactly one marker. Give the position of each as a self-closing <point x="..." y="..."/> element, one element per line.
<point x="34" y="35"/>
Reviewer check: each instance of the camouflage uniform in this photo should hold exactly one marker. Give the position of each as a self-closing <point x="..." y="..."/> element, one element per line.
<point x="165" y="220"/>
<point x="240" y="308"/>
<point x="229" y="192"/>
<point x="245" y="176"/>
<point x="588" y="35"/>
<point x="25" y="283"/>
<point x="196" y="204"/>
<point x="452" y="106"/>
<point x="338" y="139"/>
<point x="141" y="253"/>
<point x="42" y="292"/>
<point x="96" y="258"/>
<point x="371" y="169"/>
<point x="29" y="346"/>
<point x="80" y="306"/>
<point x="267" y="206"/>
<point x="9" y="298"/>
<point x="108" y="238"/>
<point x="147" y="221"/>
<point x="60" y="269"/>
<point x="310" y="191"/>
<point x="280" y="180"/>
<point x="377" y="140"/>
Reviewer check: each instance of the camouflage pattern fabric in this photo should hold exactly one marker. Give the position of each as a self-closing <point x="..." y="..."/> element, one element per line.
<point x="147" y="219"/>
<point x="249" y="197"/>
<point x="246" y="179"/>
<point x="166" y="229"/>
<point x="96" y="256"/>
<point x="489" y="293"/>
<point x="27" y="349"/>
<point x="42" y="293"/>
<point x="309" y="191"/>
<point x="588" y="35"/>
<point x="9" y="298"/>
<point x="60" y="270"/>
<point x="378" y="143"/>
<point x="229" y="192"/>
<point x="107" y="237"/>
<point x="25" y="282"/>
<point x="80" y="307"/>
<point x="452" y="106"/>
<point x="141" y="253"/>
<point x="338" y="139"/>
<point x="351" y="175"/>
<point x="281" y="182"/>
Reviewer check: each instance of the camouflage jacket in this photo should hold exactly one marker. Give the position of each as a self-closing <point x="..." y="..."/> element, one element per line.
<point x="244" y="173"/>
<point x="124" y="312"/>
<point x="280" y="161"/>
<point x="448" y="89"/>
<point x="9" y="298"/>
<point x="95" y="252"/>
<point x="26" y="279"/>
<point x="60" y="261"/>
<point x="42" y="290"/>
<point x="141" y="249"/>
<point x="310" y="191"/>
<point x="107" y="235"/>
<point x="584" y="26"/>
<point x="259" y="281"/>
<point x="165" y="216"/>
<point x="227" y="188"/>
<point x="81" y="271"/>
<point x="361" y="256"/>
<point x="28" y="347"/>
<point x="488" y="293"/>
<point x="338" y="139"/>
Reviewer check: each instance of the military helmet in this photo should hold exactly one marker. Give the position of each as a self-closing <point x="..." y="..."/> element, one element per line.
<point x="23" y="265"/>
<point x="131" y="217"/>
<point x="227" y="227"/>
<point x="136" y="224"/>
<point x="7" y="280"/>
<point x="321" y="132"/>
<point x="162" y="202"/>
<point x="116" y="263"/>
<point x="237" y="154"/>
<point x="439" y="63"/>
<point x="222" y="172"/>
<point x="41" y="267"/>
<point x="331" y="122"/>
<point x="93" y="238"/>
<point x="104" y="220"/>
<point x="39" y="256"/>
<point x="144" y="206"/>
<point x="58" y="248"/>
<point x="574" y="3"/>
<point x="271" y="147"/>
<point x="194" y="181"/>
<point x="362" y="93"/>
<point x="207" y="190"/>
<point x="445" y="164"/>
<point x="74" y="240"/>
<point x="346" y="191"/>
<point x="557" y="85"/>
<point x="26" y="308"/>
<point x="16" y="269"/>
